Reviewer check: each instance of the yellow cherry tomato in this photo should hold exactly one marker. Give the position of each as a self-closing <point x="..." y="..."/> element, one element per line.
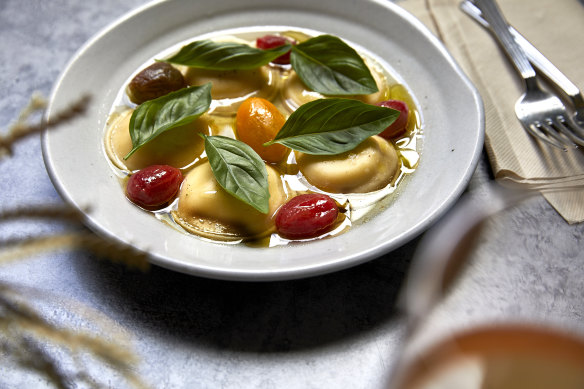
<point x="257" y="122"/>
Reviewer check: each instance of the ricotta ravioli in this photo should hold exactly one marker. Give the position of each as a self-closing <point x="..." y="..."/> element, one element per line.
<point x="179" y="147"/>
<point x="371" y="166"/>
<point x="206" y="209"/>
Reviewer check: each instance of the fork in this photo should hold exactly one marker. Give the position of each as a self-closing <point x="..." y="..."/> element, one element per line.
<point x="541" y="113"/>
<point x="543" y="65"/>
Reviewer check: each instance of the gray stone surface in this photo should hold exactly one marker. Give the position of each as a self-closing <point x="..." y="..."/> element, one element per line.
<point x="337" y="330"/>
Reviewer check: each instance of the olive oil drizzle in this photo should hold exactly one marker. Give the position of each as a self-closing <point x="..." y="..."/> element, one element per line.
<point x="354" y="208"/>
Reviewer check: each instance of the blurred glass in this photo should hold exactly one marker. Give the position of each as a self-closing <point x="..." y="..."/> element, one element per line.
<point x="476" y="320"/>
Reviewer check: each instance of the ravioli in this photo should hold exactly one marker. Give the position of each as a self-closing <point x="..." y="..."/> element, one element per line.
<point x="179" y="147"/>
<point x="371" y="166"/>
<point x="295" y="92"/>
<point x="356" y="179"/>
<point x="205" y="208"/>
<point x="231" y="87"/>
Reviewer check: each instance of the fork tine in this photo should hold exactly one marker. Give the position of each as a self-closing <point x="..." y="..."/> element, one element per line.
<point x="575" y="127"/>
<point x="545" y="133"/>
<point x="554" y="128"/>
<point x="566" y="128"/>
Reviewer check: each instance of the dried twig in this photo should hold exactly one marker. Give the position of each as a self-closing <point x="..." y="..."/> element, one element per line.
<point x="25" y="333"/>
<point x="21" y="128"/>
<point x="28" y="333"/>
<point x="53" y="211"/>
<point x="28" y="247"/>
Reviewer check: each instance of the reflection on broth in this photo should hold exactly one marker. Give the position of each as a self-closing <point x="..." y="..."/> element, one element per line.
<point x="361" y="181"/>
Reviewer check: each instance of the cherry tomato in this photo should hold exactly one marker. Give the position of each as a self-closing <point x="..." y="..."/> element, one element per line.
<point x="257" y="122"/>
<point x="154" y="185"/>
<point x="306" y="216"/>
<point x="156" y="80"/>
<point x="271" y="41"/>
<point x="400" y="125"/>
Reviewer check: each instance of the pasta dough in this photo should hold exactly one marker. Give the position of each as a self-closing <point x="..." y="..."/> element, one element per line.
<point x="205" y="208"/>
<point x="370" y="166"/>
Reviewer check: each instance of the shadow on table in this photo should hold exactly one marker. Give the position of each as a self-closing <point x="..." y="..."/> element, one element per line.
<point x="268" y="317"/>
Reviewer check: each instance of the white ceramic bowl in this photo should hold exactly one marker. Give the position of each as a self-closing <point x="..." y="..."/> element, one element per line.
<point x="450" y="106"/>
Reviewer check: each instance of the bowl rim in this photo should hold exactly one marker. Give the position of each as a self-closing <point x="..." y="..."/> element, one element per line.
<point x="344" y="260"/>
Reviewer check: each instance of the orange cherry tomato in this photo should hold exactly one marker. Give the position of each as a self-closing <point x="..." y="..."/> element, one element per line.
<point x="257" y="122"/>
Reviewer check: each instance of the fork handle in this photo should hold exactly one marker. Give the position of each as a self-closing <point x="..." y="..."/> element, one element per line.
<point x="500" y="28"/>
<point x="537" y="59"/>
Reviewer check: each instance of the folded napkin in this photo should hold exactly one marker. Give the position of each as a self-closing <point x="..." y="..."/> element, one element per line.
<point x="516" y="157"/>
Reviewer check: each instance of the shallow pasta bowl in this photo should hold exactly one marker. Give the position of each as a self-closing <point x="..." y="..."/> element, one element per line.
<point x="451" y="110"/>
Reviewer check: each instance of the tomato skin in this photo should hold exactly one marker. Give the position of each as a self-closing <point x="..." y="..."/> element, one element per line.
<point x="156" y="80"/>
<point x="306" y="216"/>
<point x="269" y="42"/>
<point x="154" y="185"/>
<point x="400" y="125"/>
<point x="258" y="121"/>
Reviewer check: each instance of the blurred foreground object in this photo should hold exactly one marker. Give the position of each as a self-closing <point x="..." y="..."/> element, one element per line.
<point x="460" y="337"/>
<point x="86" y="350"/>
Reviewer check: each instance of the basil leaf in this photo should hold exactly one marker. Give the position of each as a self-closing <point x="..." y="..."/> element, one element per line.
<point x="175" y="109"/>
<point x="329" y="66"/>
<point x="333" y="126"/>
<point x="239" y="170"/>
<point x="225" y="55"/>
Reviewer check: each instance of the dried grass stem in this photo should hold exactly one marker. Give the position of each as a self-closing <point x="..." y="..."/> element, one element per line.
<point x="23" y="129"/>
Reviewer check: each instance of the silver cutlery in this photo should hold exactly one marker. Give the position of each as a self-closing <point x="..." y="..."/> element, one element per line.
<point x="541" y="113"/>
<point x="540" y="62"/>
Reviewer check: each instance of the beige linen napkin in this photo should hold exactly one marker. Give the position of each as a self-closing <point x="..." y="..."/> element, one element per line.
<point x="556" y="29"/>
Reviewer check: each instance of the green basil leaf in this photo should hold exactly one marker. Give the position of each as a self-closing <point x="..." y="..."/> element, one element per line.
<point x="175" y="109"/>
<point x="239" y="170"/>
<point x="225" y="55"/>
<point x="333" y="126"/>
<point x="329" y="66"/>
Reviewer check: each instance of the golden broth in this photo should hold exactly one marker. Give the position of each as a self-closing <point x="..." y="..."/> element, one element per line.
<point x="220" y="120"/>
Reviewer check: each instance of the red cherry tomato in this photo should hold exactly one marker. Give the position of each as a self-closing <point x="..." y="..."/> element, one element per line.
<point x="306" y="216"/>
<point x="154" y="185"/>
<point x="269" y="42"/>
<point x="400" y="125"/>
